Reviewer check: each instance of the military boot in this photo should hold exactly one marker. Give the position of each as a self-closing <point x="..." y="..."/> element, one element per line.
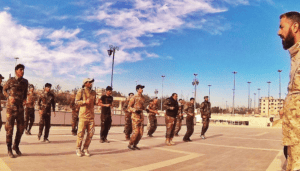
<point x="17" y="150"/>
<point x="9" y="152"/>
<point x="171" y="142"/>
<point x="127" y="137"/>
<point x="168" y="141"/>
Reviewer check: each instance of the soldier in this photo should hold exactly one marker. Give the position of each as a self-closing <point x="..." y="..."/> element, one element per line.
<point x="29" y="111"/>
<point x="172" y="107"/>
<point x="128" y="122"/>
<point x="15" y="90"/>
<point x="75" y="113"/>
<point x="205" y="115"/>
<point x="46" y="100"/>
<point x="190" y="115"/>
<point x="136" y="106"/>
<point x="106" y="103"/>
<point x="86" y="99"/>
<point x="289" y="32"/>
<point x="152" y="110"/>
<point x="1" y="97"/>
<point x="179" y="117"/>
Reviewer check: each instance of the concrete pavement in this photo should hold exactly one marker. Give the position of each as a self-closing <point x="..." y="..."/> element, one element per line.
<point x="231" y="148"/>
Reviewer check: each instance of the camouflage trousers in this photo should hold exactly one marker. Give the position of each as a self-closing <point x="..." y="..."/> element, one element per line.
<point x="105" y="126"/>
<point x="170" y="125"/>
<point x="29" y="117"/>
<point x="128" y="124"/>
<point x="189" y="127"/>
<point x="45" y="120"/>
<point x="85" y="125"/>
<point x="137" y="128"/>
<point x="178" y="124"/>
<point x="74" y="121"/>
<point x="205" y="122"/>
<point x="12" y="115"/>
<point x="152" y="124"/>
<point x="293" y="160"/>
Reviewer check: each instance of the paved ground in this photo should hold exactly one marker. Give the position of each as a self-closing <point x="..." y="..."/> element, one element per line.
<point x="231" y="148"/>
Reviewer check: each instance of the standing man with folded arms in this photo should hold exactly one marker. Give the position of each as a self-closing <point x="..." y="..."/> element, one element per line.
<point x="189" y="109"/>
<point x="29" y="111"/>
<point x="128" y="122"/>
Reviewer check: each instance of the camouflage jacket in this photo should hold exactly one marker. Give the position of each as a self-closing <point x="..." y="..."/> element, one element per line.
<point x="125" y="105"/>
<point x="16" y="88"/>
<point x="73" y="105"/>
<point x="170" y="102"/>
<point x="46" y="100"/>
<point x="205" y="109"/>
<point x="291" y="108"/>
<point x="31" y="98"/>
<point x="136" y="104"/>
<point x="152" y="108"/>
<point x="189" y="108"/>
<point x="86" y="111"/>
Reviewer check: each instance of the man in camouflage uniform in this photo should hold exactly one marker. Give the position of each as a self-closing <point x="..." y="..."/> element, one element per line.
<point x="1" y="98"/>
<point x="128" y="122"/>
<point x="190" y="115"/>
<point x="205" y="115"/>
<point x="46" y="100"/>
<point x="152" y="110"/>
<point x="136" y="106"/>
<point x="15" y="90"/>
<point x="289" y="32"/>
<point x="75" y="113"/>
<point x="86" y="99"/>
<point x="172" y="107"/>
<point x="179" y="117"/>
<point x="29" y="111"/>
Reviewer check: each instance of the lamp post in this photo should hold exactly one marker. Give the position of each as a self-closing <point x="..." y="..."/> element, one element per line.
<point x="195" y="83"/>
<point x="269" y="82"/>
<point x="209" y="93"/>
<point x="279" y="71"/>
<point x="112" y="50"/>
<point x="234" y="72"/>
<point x="162" y="90"/>
<point x="156" y="92"/>
<point x="254" y="102"/>
<point x="16" y="60"/>
<point x="249" y="94"/>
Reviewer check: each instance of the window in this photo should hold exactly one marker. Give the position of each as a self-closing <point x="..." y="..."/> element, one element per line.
<point x="264" y="112"/>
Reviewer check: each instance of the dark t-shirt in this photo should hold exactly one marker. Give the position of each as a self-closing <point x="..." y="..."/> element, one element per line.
<point x="106" y="100"/>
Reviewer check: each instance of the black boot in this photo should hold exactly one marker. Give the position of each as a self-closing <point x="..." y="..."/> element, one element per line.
<point x="17" y="150"/>
<point x="9" y="152"/>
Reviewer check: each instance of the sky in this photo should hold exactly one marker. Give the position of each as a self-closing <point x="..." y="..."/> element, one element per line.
<point x="63" y="42"/>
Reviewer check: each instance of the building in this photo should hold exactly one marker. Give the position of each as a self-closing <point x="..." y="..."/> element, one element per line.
<point x="270" y="106"/>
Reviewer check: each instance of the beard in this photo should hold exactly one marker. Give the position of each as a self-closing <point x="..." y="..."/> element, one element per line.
<point x="289" y="40"/>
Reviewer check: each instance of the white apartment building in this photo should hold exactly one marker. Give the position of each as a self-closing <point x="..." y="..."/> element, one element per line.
<point x="270" y="106"/>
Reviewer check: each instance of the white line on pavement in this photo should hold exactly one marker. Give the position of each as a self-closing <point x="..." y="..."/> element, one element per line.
<point x="277" y="163"/>
<point x="3" y="166"/>
<point x="260" y="134"/>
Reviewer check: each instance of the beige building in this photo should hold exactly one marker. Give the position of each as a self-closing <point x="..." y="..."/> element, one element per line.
<point x="270" y="106"/>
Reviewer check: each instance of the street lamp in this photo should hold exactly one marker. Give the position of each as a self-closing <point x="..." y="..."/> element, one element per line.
<point x="269" y="82"/>
<point x="16" y="60"/>
<point x="156" y="92"/>
<point x="209" y="93"/>
<point x="258" y="98"/>
<point x="254" y="102"/>
<point x="234" y="72"/>
<point x="249" y="94"/>
<point x="195" y="83"/>
<point x="112" y="50"/>
<point x="279" y="71"/>
<point x="162" y="90"/>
